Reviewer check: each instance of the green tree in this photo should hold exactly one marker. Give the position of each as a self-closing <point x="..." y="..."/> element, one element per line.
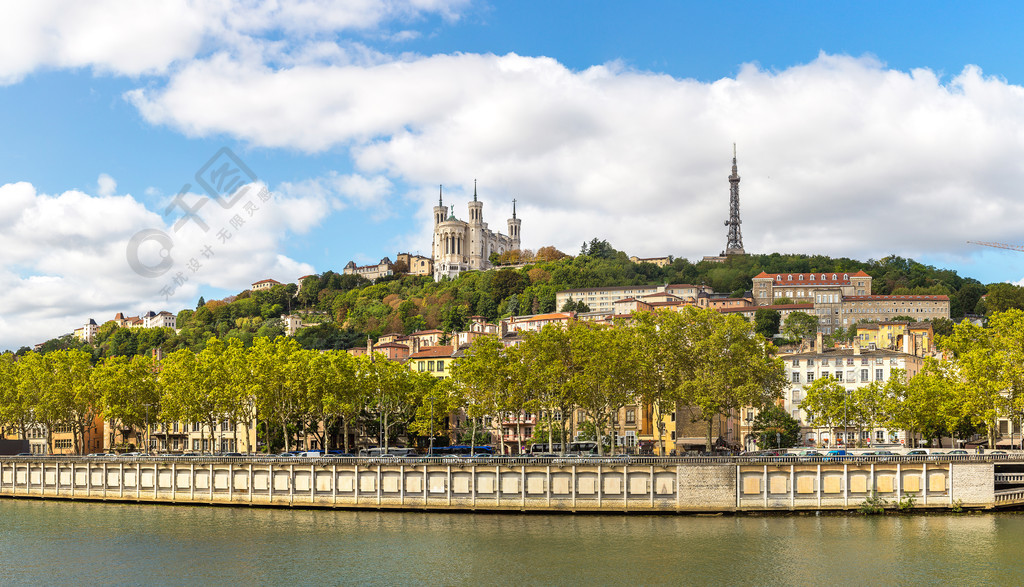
<point x="128" y="393"/>
<point x="481" y="378"/>
<point x="1002" y="297"/>
<point x="826" y="404"/>
<point x="775" y="428"/>
<point x="766" y="322"/>
<point x="732" y="367"/>
<point x="799" y="325"/>
<point x="15" y="401"/>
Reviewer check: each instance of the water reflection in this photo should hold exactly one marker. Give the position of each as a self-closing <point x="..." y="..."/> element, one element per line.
<point x="51" y="542"/>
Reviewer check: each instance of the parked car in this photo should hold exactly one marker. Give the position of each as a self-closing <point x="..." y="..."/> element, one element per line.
<point x="958" y="451"/>
<point x="836" y="455"/>
<point x="917" y="452"/>
<point x="808" y="455"/>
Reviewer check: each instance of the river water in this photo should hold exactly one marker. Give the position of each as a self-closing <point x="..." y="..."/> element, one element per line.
<point x="52" y="543"/>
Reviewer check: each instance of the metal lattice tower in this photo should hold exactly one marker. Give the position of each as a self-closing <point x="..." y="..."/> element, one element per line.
<point x="735" y="243"/>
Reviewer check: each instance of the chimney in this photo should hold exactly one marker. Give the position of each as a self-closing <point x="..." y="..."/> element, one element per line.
<point x="415" y="344"/>
<point x="856" y="348"/>
<point x="817" y="343"/>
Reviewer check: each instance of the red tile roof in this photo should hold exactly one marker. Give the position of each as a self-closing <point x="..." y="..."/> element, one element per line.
<point x="911" y="297"/>
<point x="432" y="352"/>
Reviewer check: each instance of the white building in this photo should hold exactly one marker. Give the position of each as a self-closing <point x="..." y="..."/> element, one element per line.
<point x="466" y="245"/>
<point x="851" y="367"/>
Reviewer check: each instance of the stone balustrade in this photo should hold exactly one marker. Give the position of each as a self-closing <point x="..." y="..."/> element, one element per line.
<point x="581" y="485"/>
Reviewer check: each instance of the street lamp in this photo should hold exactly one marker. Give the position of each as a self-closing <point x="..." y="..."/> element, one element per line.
<point x="750" y="430"/>
<point x="430" y="451"/>
<point x="846" y="418"/>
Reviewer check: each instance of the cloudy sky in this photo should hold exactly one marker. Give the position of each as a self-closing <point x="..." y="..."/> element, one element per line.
<point x="863" y="130"/>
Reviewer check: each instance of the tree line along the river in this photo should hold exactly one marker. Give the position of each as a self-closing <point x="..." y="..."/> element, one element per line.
<point x="700" y="358"/>
<point x="342" y="311"/>
<point x="979" y="379"/>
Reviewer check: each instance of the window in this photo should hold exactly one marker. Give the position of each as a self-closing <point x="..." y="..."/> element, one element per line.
<point x="863" y="361"/>
<point x="824" y="362"/>
<point x="796" y="414"/>
<point x="430" y="366"/>
<point x="796" y="395"/>
<point x="810" y="362"/>
<point x="839" y="376"/>
<point x="422" y="366"/>
<point x="878" y="375"/>
<point x="796" y="362"/>
<point x="195" y="428"/>
<point x="195" y="444"/>
<point x="796" y="377"/>
<point x="630" y="416"/>
<point x="440" y="366"/>
<point x="864" y="375"/>
<point x="849" y="362"/>
<point x="824" y="373"/>
<point x="810" y="377"/>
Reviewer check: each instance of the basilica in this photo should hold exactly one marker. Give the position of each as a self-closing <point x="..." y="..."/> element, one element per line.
<point x="466" y="245"/>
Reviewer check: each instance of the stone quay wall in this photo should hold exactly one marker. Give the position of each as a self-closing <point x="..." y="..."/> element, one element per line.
<point x="554" y="485"/>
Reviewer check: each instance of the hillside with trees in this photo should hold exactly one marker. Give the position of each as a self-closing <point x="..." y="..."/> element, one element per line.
<point x="343" y="310"/>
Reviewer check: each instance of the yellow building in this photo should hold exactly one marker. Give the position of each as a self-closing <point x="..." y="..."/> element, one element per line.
<point x="436" y="360"/>
<point x="913" y="338"/>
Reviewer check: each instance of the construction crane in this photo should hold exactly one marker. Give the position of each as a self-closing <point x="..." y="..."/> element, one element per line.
<point x="999" y="245"/>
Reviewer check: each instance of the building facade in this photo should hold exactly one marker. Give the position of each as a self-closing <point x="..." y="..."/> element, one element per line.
<point x="466" y="245"/>
<point x="852" y="368"/>
<point x="416" y="264"/>
<point x="372" y="272"/>
<point x="604" y="298"/>
<point x="265" y="284"/>
<point x="809" y="288"/>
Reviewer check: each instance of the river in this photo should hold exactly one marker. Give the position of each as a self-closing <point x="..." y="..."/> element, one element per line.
<point x="53" y="542"/>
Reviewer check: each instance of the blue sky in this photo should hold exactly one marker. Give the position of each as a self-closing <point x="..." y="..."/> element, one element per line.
<point x="863" y="130"/>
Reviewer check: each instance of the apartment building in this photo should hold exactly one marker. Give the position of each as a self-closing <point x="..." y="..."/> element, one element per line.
<point x="851" y="367"/>
<point x="809" y="287"/>
<point x="603" y="298"/>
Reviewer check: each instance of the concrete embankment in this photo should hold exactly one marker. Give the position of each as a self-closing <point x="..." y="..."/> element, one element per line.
<point x="646" y="484"/>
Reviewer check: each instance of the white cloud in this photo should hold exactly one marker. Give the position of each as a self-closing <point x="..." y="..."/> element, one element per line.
<point x="134" y="38"/>
<point x="67" y="255"/>
<point x="842" y="155"/>
<point x="105" y="185"/>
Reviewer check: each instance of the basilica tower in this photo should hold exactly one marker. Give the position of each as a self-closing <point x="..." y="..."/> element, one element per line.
<point x="477" y="244"/>
<point x="513" y="227"/>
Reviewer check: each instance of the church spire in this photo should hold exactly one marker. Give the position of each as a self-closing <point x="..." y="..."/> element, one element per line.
<point x="474" y="190"/>
<point x="440" y="192"/>
<point x="513" y="208"/>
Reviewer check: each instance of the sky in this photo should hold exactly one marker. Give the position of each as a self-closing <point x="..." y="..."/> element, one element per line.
<point x="152" y="153"/>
